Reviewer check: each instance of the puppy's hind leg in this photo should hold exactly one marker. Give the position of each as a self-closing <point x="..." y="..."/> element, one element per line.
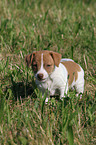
<point x="80" y="83"/>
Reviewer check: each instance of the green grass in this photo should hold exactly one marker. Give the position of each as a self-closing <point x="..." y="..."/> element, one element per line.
<point x="64" y="26"/>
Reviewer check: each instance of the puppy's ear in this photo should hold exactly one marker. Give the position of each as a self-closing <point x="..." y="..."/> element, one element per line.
<point x="29" y="59"/>
<point x="56" y="57"/>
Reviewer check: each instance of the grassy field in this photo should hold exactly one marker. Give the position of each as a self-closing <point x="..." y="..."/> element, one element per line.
<point x="64" y="26"/>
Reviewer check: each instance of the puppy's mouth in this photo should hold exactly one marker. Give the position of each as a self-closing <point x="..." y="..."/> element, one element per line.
<point x="41" y="80"/>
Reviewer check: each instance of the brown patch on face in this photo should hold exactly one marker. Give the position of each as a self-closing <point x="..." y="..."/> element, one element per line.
<point x="48" y="62"/>
<point x="73" y="69"/>
<point x="50" y="59"/>
<point x="36" y="61"/>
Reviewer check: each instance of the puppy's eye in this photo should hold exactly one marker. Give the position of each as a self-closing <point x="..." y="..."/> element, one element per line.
<point x="48" y="65"/>
<point x="35" y="65"/>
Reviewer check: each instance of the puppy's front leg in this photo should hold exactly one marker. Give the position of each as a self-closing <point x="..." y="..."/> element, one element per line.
<point x="63" y="91"/>
<point x="62" y="94"/>
<point x="46" y="100"/>
<point x="46" y="97"/>
<point x="48" y="94"/>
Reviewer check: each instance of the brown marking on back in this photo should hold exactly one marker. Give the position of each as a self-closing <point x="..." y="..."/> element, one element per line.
<point x="73" y="69"/>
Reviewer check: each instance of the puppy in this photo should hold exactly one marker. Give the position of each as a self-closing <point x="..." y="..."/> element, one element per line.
<point x="53" y="73"/>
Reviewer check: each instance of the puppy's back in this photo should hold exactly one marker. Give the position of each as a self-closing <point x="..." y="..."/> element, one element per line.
<point x="72" y="69"/>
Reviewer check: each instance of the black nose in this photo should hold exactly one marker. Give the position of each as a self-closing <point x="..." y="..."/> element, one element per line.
<point x="40" y="76"/>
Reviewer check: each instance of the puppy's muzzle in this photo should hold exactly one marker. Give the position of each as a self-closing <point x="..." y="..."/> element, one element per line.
<point x="40" y="76"/>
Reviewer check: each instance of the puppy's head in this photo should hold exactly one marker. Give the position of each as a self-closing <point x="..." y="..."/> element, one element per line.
<point x="43" y="63"/>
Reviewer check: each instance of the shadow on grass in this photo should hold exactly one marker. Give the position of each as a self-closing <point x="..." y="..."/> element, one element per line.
<point x="21" y="89"/>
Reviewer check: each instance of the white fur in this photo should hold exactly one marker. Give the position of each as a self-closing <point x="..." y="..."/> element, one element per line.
<point x="79" y="84"/>
<point x="42" y="70"/>
<point x="58" y="80"/>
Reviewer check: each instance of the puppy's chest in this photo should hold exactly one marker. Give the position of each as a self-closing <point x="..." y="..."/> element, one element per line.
<point x="56" y="80"/>
<point x="46" y="86"/>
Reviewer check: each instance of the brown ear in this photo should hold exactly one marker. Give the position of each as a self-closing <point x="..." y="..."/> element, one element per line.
<point x="56" y="57"/>
<point x="29" y="59"/>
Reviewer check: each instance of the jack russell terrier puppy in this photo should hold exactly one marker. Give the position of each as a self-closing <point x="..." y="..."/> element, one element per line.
<point x="53" y="73"/>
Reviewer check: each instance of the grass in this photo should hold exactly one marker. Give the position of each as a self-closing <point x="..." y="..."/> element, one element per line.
<point x="67" y="27"/>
